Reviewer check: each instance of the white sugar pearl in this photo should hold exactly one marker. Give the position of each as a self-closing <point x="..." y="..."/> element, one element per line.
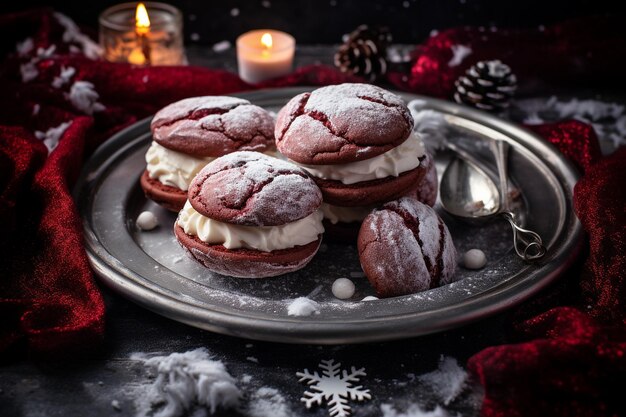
<point x="343" y="288"/>
<point x="147" y="221"/>
<point x="370" y="298"/>
<point x="474" y="259"/>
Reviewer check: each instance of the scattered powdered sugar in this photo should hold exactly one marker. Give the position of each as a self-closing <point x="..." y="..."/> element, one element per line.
<point x="84" y="97"/>
<point x="52" y="136"/>
<point x="447" y="381"/>
<point x="303" y="306"/>
<point x="185" y="381"/>
<point x="414" y="410"/>
<point x="221" y="46"/>
<point x="64" y="77"/>
<point x="268" y="402"/>
<point x="459" y="53"/>
<point x="73" y="34"/>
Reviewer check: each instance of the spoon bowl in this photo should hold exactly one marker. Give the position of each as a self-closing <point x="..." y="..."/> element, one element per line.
<point x="469" y="193"/>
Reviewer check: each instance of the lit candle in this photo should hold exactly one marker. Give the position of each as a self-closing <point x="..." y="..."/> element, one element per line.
<point x="132" y="33"/>
<point x="264" y="54"/>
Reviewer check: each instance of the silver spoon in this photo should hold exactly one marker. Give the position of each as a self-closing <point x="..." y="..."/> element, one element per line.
<point x="468" y="192"/>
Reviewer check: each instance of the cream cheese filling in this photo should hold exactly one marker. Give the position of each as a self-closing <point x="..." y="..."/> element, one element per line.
<point x="173" y="168"/>
<point x="262" y="238"/>
<point x="336" y="214"/>
<point x="394" y="162"/>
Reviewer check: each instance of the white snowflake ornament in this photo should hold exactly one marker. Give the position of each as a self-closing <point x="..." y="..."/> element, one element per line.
<point x="334" y="386"/>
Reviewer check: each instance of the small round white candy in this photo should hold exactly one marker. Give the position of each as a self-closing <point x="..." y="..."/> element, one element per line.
<point x="370" y="298"/>
<point x="147" y="221"/>
<point x="343" y="288"/>
<point x="474" y="259"/>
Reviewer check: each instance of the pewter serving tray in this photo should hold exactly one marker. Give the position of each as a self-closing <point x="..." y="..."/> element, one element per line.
<point x="152" y="270"/>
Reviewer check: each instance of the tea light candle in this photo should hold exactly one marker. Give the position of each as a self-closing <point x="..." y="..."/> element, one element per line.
<point x="263" y="54"/>
<point x="143" y="34"/>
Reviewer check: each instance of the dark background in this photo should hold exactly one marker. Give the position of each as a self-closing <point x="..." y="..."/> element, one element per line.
<point x="320" y="22"/>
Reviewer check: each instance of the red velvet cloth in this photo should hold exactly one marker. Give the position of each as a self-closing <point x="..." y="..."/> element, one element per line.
<point x="577" y="53"/>
<point x="567" y="361"/>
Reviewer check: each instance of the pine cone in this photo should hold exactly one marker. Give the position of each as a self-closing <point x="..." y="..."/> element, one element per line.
<point x="364" y="53"/>
<point x="488" y="85"/>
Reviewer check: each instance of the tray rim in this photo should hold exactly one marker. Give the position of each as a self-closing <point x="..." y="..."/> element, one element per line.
<point x="284" y="329"/>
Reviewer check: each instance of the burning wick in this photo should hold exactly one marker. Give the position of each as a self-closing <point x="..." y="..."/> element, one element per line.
<point x="142" y="27"/>
<point x="266" y="42"/>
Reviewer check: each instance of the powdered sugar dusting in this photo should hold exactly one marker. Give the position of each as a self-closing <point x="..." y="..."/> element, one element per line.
<point x="189" y="106"/>
<point x="268" y="402"/>
<point x="303" y="306"/>
<point x="213" y="126"/>
<point x="335" y="124"/>
<point x="401" y="256"/>
<point x="249" y="188"/>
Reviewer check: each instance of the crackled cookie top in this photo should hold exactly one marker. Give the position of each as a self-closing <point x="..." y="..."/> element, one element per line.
<point x="253" y="189"/>
<point x="342" y="123"/>
<point x="405" y="247"/>
<point x="213" y="126"/>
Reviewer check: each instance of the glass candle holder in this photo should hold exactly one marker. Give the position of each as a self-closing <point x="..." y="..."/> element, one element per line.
<point x="263" y="54"/>
<point x="159" y="42"/>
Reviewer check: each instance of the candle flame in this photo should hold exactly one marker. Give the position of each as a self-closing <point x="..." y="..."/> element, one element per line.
<point x="267" y="41"/>
<point x="142" y="21"/>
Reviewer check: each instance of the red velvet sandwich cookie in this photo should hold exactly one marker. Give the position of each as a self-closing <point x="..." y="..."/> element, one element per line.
<point x="250" y="215"/>
<point x="356" y="140"/>
<point x="190" y="133"/>
<point x="406" y="248"/>
<point x="343" y="223"/>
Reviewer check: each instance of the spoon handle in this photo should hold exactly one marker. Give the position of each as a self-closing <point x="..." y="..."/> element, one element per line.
<point x="528" y="244"/>
<point x="500" y="149"/>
